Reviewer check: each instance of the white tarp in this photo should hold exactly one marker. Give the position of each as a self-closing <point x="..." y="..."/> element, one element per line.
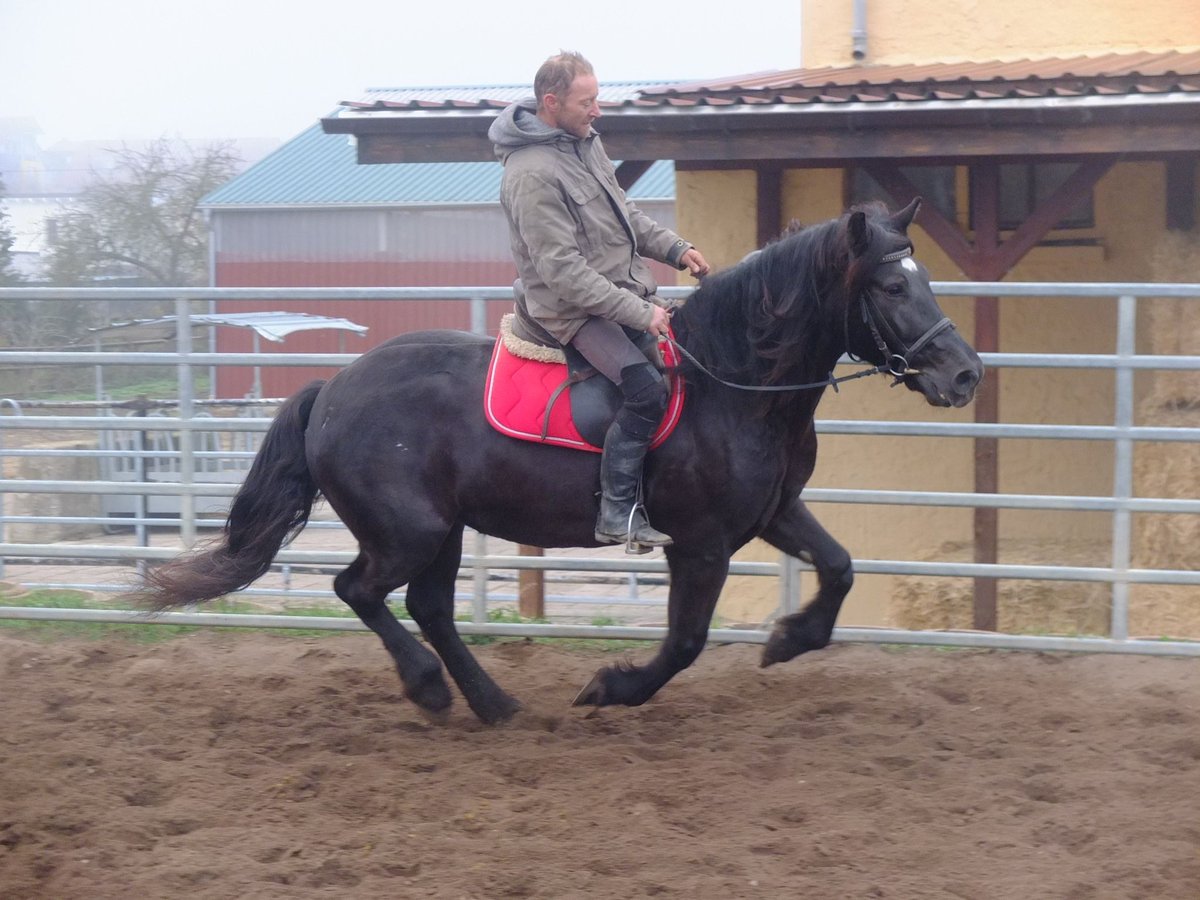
<point x="274" y="326"/>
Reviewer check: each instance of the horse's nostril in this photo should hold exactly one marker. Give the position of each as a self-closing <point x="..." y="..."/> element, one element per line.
<point x="965" y="381"/>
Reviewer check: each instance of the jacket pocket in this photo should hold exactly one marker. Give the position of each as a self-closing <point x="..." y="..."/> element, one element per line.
<point x="584" y="192"/>
<point x="586" y="197"/>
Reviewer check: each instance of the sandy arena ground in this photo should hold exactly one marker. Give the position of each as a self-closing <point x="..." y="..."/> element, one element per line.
<point x="249" y="765"/>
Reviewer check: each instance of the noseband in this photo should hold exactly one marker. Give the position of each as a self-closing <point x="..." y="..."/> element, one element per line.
<point x="896" y="362"/>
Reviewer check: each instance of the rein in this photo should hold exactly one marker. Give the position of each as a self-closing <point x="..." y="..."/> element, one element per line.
<point x="828" y="382"/>
<point x="896" y="363"/>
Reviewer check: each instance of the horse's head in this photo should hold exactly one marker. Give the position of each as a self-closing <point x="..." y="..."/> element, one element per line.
<point x="893" y="318"/>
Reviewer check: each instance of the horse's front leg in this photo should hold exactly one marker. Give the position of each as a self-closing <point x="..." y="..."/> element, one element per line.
<point x="797" y="533"/>
<point x="696" y="581"/>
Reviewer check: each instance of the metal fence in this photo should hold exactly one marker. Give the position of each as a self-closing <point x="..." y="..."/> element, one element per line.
<point x="188" y="442"/>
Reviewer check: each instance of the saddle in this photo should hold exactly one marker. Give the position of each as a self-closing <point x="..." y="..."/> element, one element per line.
<point x="550" y="395"/>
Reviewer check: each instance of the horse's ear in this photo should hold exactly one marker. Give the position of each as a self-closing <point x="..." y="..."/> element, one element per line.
<point x="856" y="229"/>
<point x="901" y="219"/>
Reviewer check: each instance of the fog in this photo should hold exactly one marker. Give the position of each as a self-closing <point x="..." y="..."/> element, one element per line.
<point x="219" y="69"/>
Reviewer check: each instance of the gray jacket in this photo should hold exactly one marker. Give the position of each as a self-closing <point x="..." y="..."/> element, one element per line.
<point x="577" y="241"/>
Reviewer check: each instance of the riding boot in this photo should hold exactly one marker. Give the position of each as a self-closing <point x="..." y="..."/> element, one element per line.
<point x="622" y="518"/>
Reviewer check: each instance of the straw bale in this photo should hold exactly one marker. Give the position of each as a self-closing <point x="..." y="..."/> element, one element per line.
<point x="1022" y="606"/>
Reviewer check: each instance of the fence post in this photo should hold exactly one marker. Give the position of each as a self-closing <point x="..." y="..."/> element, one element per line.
<point x="15" y="406"/>
<point x="531" y="586"/>
<point x="1123" y="466"/>
<point x="187" y="393"/>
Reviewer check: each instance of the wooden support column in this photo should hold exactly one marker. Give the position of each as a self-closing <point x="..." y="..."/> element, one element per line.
<point x="629" y="171"/>
<point x="531" y="587"/>
<point x="1181" y="193"/>
<point x="987" y="259"/>
<point x="985" y="214"/>
<point x="769" y="197"/>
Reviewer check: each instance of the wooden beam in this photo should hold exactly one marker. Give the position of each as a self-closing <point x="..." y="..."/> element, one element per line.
<point x="531" y="586"/>
<point x="985" y="213"/>
<point x="945" y="233"/>
<point x="1050" y="212"/>
<point x="769" y="196"/>
<point x="817" y="146"/>
<point x="1181" y="193"/>
<point x="630" y="170"/>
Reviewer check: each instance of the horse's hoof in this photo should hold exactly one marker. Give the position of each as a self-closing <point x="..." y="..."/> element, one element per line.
<point x="431" y="694"/>
<point x="776" y="650"/>
<point x="498" y="711"/>
<point x="593" y="692"/>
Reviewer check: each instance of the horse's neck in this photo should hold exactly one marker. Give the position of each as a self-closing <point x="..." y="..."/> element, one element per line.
<point x="785" y="413"/>
<point x="814" y="365"/>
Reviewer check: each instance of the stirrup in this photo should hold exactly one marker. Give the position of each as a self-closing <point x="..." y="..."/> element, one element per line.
<point x="633" y="546"/>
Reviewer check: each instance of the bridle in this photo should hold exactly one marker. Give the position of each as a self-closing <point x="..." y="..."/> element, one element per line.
<point x="895" y="363"/>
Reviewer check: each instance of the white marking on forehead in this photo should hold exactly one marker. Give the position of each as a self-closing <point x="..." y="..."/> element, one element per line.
<point x="909" y="263"/>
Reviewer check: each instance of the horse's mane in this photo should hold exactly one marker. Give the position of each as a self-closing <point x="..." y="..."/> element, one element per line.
<point x="773" y="316"/>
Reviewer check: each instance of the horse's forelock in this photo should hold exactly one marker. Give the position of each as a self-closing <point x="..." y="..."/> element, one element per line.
<point x="881" y="240"/>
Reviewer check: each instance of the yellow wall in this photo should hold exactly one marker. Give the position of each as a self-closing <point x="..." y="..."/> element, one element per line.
<point x="716" y="209"/>
<point x="1130" y="209"/>
<point x="903" y="31"/>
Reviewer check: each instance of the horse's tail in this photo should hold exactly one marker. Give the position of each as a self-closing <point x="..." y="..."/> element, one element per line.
<point x="271" y="506"/>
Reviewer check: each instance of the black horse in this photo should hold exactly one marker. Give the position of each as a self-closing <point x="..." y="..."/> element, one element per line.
<point x="398" y="444"/>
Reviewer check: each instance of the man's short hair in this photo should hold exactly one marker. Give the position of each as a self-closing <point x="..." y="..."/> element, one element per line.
<point x="557" y="74"/>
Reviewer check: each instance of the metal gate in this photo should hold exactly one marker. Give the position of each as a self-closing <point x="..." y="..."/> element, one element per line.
<point x="191" y="439"/>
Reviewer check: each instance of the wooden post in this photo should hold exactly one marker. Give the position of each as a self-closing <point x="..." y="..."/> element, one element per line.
<point x="769" y="197"/>
<point x="531" y="587"/>
<point x="985" y="213"/>
<point x="987" y="259"/>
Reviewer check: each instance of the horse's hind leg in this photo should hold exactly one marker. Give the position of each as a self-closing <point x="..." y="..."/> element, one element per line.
<point x="420" y="671"/>
<point x="797" y="533"/>
<point x="696" y="581"/>
<point x="430" y="601"/>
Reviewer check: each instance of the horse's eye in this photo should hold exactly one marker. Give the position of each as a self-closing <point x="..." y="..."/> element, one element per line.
<point x="894" y="290"/>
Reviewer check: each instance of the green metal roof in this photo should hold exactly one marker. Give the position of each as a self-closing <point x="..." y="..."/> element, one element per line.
<point x="318" y="169"/>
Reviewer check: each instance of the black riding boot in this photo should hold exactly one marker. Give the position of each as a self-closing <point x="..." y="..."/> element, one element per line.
<point x="622" y="518"/>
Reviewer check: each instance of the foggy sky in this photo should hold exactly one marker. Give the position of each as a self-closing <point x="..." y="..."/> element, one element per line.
<point x="126" y="69"/>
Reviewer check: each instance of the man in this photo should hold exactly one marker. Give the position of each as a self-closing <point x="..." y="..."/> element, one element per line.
<point x="579" y="246"/>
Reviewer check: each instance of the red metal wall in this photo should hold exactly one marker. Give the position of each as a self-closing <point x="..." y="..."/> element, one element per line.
<point x="384" y="319"/>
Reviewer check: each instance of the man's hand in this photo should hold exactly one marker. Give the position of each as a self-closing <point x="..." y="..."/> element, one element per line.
<point x="659" y="322"/>
<point x="695" y="262"/>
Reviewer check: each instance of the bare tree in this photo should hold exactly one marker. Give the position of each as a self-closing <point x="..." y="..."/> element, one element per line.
<point x="8" y="276"/>
<point x="140" y="222"/>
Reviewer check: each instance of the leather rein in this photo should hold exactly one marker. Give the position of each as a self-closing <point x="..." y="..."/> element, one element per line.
<point x="896" y="364"/>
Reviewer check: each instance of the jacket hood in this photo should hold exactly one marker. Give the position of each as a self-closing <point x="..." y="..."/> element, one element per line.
<point x="518" y="126"/>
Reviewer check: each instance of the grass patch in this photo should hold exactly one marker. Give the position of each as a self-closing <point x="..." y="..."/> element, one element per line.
<point x="165" y="387"/>
<point x="151" y="633"/>
<point x="138" y="632"/>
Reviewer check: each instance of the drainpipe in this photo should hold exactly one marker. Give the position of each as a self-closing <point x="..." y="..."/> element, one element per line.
<point x="859" y="35"/>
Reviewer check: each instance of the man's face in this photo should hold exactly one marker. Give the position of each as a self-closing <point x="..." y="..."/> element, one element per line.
<point x="575" y="112"/>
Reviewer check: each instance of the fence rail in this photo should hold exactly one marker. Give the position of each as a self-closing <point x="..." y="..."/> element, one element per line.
<point x="191" y="428"/>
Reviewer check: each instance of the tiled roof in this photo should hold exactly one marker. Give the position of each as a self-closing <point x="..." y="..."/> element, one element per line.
<point x="1032" y="79"/>
<point x="1113" y="73"/>
<point x="484" y="96"/>
<point x="318" y="169"/>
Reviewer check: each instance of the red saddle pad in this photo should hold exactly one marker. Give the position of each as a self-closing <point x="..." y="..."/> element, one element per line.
<point x="518" y="390"/>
